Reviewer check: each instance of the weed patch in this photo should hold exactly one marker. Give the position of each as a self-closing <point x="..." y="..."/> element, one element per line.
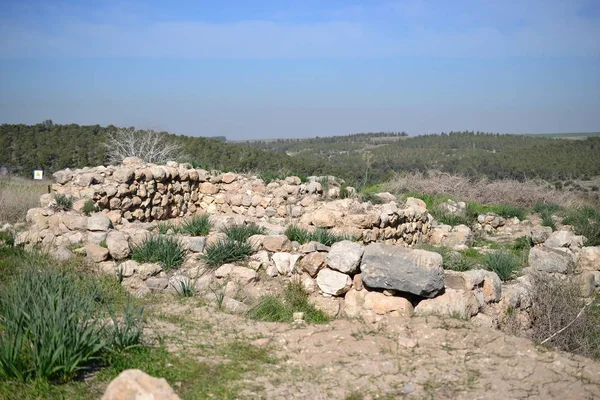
<point x="323" y="236"/>
<point x="242" y="232"/>
<point x="165" y="250"/>
<point x="226" y="251"/>
<point x="586" y="222"/>
<point x="503" y="263"/>
<point x="198" y="225"/>
<point x="281" y="309"/>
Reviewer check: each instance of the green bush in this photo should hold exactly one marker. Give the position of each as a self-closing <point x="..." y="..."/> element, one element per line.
<point x="165" y="250"/>
<point x="295" y="299"/>
<point x="51" y="326"/>
<point x="504" y="264"/>
<point x="198" y="225"/>
<point x="89" y="207"/>
<point x="586" y="222"/>
<point x="226" y="251"/>
<point x="63" y="201"/>
<point x="242" y="232"/>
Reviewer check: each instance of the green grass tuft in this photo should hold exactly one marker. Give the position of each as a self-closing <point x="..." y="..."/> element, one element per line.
<point x="295" y="299"/>
<point x="323" y="236"/>
<point x="165" y="250"/>
<point x="198" y="225"/>
<point x="63" y="201"/>
<point x="586" y="222"/>
<point x="89" y="208"/>
<point x="242" y="232"/>
<point x="503" y="263"/>
<point x="226" y="251"/>
<point x="297" y="234"/>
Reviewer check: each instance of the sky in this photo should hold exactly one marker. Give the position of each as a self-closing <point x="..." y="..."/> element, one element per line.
<point x="289" y="69"/>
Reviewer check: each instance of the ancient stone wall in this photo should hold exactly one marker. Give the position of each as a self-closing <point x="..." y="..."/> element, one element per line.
<point x="137" y="191"/>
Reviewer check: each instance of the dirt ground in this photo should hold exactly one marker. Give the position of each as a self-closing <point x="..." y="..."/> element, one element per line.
<point x="417" y="358"/>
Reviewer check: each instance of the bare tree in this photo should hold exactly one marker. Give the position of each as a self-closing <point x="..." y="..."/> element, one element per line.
<point x="149" y="145"/>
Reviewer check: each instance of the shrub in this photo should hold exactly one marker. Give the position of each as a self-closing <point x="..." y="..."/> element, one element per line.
<point x="89" y="207"/>
<point x="50" y="327"/>
<point x="63" y="201"/>
<point x="504" y="264"/>
<point x="242" y="232"/>
<point x="165" y="250"/>
<point x="226" y="251"/>
<point x="586" y="222"/>
<point x="556" y="305"/>
<point x="198" y="225"/>
<point x="281" y="308"/>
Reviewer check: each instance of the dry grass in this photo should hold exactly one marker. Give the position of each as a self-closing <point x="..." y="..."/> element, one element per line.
<point x="482" y="190"/>
<point x="17" y="195"/>
<point x="561" y="317"/>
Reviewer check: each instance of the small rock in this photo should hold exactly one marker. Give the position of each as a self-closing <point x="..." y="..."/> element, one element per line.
<point x="95" y="253"/>
<point x="278" y="243"/>
<point x="345" y="256"/>
<point x="333" y="282"/>
<point x="312" y="263"/>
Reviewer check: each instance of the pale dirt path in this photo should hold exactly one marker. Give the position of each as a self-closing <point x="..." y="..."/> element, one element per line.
<point x="417" y="358"/>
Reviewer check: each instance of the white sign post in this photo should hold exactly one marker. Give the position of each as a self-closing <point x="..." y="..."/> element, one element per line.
<point x="38" y="174"/>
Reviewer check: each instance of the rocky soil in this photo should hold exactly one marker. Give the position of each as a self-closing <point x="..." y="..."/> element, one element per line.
<point x="418" y="358"/>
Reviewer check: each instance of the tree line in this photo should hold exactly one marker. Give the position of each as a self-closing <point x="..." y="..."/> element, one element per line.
<point x="361" y="159"/>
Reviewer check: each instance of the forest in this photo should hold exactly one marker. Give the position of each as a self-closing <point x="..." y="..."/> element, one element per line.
<point x="361" y="159"/>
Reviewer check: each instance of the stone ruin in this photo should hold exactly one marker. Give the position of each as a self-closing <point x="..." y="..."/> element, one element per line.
<point x="378" y="274"/>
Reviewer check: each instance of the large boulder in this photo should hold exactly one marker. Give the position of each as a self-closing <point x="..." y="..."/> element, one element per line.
<point x="333" y="282"/>
<point x="345" y="256"/>
<point x="133" y="384"/>
<point x="413" y="271"/>
<point x="549" y="260"/>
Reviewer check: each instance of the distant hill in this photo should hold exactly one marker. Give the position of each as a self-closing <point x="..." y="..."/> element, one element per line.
<point x="361" y="159"/>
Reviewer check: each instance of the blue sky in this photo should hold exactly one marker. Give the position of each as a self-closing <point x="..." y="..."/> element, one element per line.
<point x="264" y="69"/>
